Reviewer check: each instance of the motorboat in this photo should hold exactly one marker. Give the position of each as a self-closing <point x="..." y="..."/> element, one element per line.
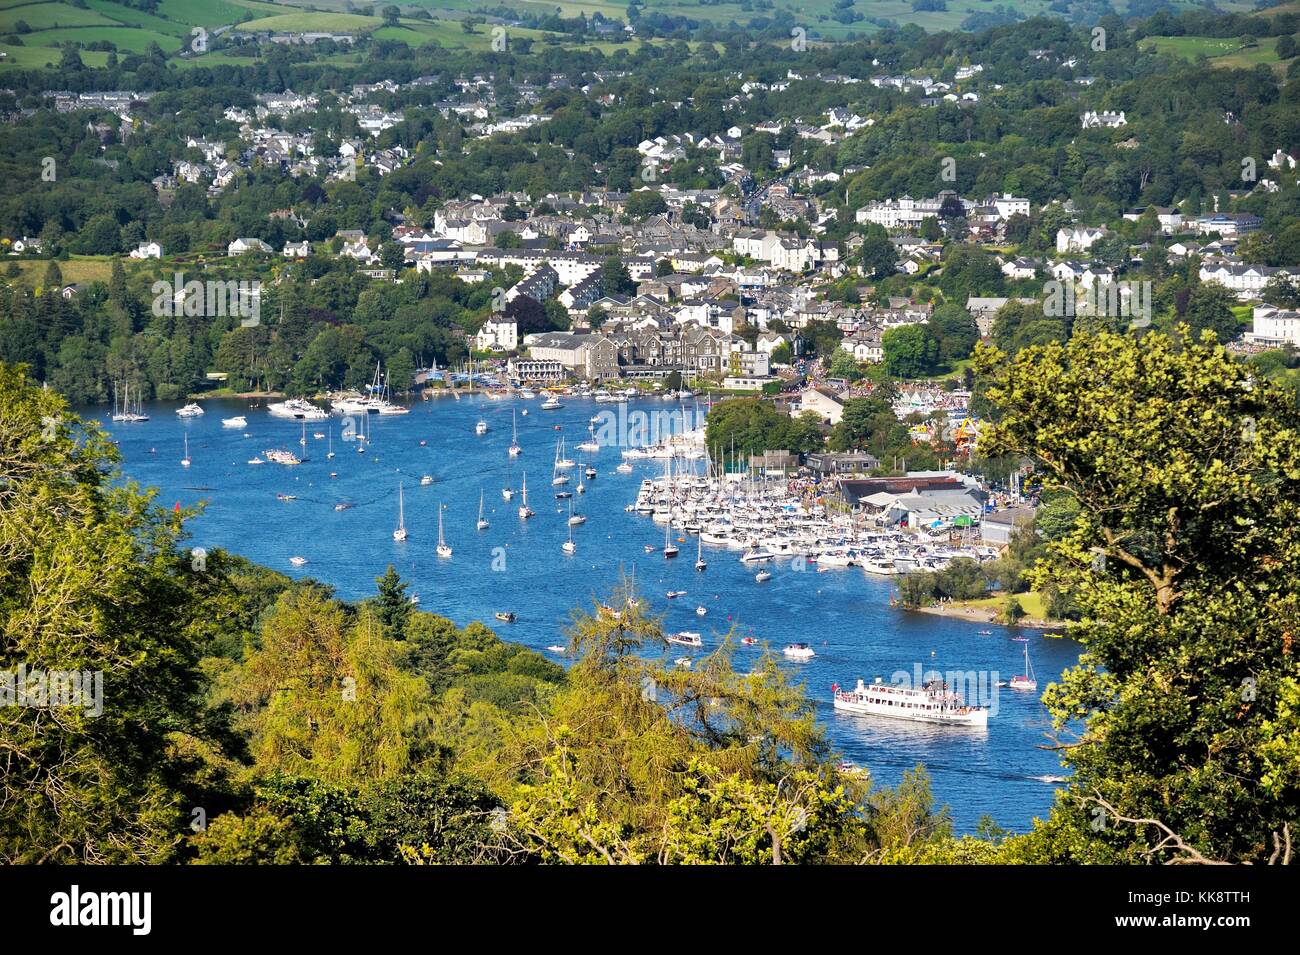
<point x="685" y="638"/>
<point x="190" y="410"/>
<point x="799" y="651"/>
<point x="239" y="421"/>
<point x="298" y="409"/>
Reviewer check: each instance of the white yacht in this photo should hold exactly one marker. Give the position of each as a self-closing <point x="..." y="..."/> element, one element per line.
<point x="552" y="403"/>
<point x="932" y="703"/>
<point x="190" y="410"/>
<point x="799" y="651"/>
<point x="239" y="421"/>
<point x="481" y="428"/>
<point x="297" y="408"/>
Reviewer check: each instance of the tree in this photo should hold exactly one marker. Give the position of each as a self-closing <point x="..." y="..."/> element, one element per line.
<point x="615" y="278"/>
<point x="910" y="351"/>
<point x="955" y="330"/>
<point x="392" y="606"/>
<point x="861" y="423"/>
<point x="1209" y="307"/>
<point x="392" y="256"/>
<point x="645" y="203"/>
<point x="782" y="354"/>
<point x="878" y="257"/>
<point x="1182" y="557"/>
<point x="844" y="365"/>
<point x="92" y="579"/>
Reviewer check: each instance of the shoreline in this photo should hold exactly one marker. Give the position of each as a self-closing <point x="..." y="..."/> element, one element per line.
<point x="981" y="615"/>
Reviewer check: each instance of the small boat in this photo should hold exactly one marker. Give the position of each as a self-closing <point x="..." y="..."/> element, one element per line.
<point x="1026" y="680"/>
<point x="701" y="610"/>
<point x="670" y="549"/>
<point x="482" y="521"/>
<point x="426" y="480"/>
<point x="185" y="461"/>
<point x="317" y="435"/>
<point x="674" y="594"/>
<point x="575" y="519"/>
<point x="551" y="404"/>
<point x="415" y="600"/>
<point x="286" y="497"/>
<point x="400" y="533"/>
<point x="481" y="427"/>
<point x="342" y="506"/>
<point x="569" y="547"/>
<point x="984" y="633"/>
<point x="514" y="448"/>
<point x="525" y="511"/>
<point x="651" y="548"/>
<point x="443" y="549"/>
<point x="624" y="468"/>
<point x="505" y="616"/>
<point x="190" y="410"/>
<point x="685" y="638"/>
<point x="298" y="561"/>
<point x="556" y="648"/>
<point x="239" y="421"/>
<point x="563" y="495"/>
<point x="287" y="458"/>
<point x="799" y="651"/>
<point x="749" y="641"/>
<point x="256" y="461"/>
<point x="590" y="472"/>
<point x="683" y="662"/>
<point x="763" y="576"/>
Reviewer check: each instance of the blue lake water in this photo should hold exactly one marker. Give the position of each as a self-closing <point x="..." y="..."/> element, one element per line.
<point x="844" y="614"/>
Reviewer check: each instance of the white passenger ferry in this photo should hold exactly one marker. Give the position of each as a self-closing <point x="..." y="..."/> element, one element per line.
<point x="932" y="703"/>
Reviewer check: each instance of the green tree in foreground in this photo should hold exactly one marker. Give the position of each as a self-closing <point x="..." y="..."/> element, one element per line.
<point x="1183" y="559"/>
<point x="90" y="580"/>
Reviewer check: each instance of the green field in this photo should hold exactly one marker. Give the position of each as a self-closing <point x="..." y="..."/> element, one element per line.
<point x="51" y="23"/>
<point x="1226" y="52"/>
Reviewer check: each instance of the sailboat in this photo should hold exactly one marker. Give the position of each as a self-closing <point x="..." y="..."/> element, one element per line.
<point x="514" y="436"/>
<point x="700" y="563"/>
<point x="670" y="549"/>
<point x="400" y="533"/>
<point x="185" y="461"/>
<point x="482" y="521"/>
<point x="569" y="547"/>
<point x="525" y="511"/>
<point x="558" y="477"/>
<point x="581" y="488"/>
<point x="330" y="444"/>
<point x="590" y="446"/>
<point x="1026" y="680"/>
<point x="443" y="549"/>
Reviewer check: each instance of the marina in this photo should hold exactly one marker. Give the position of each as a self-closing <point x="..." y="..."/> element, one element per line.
<point x="340" y="515"/>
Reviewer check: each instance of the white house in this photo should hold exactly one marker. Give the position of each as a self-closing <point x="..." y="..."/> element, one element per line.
<point x="497" y="334"/>
<point x="297" y="250"/>
<point x="1077" y="238"/>
<point x="240" y="246"/>
<point x="147" y="250"/>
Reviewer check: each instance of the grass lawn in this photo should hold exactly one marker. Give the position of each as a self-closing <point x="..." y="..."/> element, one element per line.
<point x="1032" y="601"/>
<point x="79" y="269"/>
